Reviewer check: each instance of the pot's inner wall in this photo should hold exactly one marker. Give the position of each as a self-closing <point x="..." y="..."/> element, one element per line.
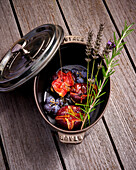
<point x="71" y="54"/>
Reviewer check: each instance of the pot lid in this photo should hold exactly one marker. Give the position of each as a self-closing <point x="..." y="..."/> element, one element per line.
<point x="29" y="55"/>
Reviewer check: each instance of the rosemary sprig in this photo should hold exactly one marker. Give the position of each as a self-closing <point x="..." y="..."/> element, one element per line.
<point x="75" y="116"/>
<point x="111" y="62"/>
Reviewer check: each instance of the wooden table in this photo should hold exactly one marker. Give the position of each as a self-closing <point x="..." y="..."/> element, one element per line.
<point x="26" y="140"/>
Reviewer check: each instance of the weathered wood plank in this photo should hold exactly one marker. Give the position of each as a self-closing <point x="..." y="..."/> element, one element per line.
<point x="27" y="141"/>
<point x="34" y="13"/>
<point x="120" y="114"/>
<point x="8" y="28"/>
<point x="121" y="11"/>
<point x="2" y="165"/>
<point x="95" y="152"/>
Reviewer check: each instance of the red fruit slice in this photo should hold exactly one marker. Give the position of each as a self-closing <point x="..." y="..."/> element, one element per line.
<point x="63" y="83"/>
<point x="66" y="77"/>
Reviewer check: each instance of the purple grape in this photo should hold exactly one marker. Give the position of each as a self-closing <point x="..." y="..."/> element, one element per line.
<point x="59" y="102"/>
<point x="48" y="107"/>
<point x="75" y="71"/>
<point x="55" y="108"/>
<point x="84" y="74"/>
<point x="50" y="100"/>
<point x="80" y="80"/>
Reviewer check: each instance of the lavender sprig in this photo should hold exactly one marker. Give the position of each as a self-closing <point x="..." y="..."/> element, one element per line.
<point x="109" y="46"/>
<point x="89" y="44"/>
<point x="98" y="40"/>
<point x="94" y="56"/>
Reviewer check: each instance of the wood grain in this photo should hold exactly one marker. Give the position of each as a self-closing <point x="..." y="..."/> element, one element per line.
<point x="95" y="152"/>
<point x="120" y="114"/>
<point x="27" y="141"/>
<point x="8" y="28"/>
<point x="37" y="12"/>
<point x="121" y="11"/>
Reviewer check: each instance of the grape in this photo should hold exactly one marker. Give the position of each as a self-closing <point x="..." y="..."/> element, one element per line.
<point x="75" y="71"/>
<point x="52" y="105"/>
<point x="80" y="80"/>
<point x="47" y="107"/>
<point x="84" y="73"/>
<point x="50" y="100"/>
<point x="55" y="108"/>
<point x="59" y="101"/>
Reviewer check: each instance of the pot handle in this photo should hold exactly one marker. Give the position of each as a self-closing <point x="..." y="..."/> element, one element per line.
<point x="71" y="138"/>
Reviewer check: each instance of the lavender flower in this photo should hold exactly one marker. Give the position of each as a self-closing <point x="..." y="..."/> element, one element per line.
<point x="98" y="40"/>
<point x="109" y="46"/>
<point x="89" y="43"/>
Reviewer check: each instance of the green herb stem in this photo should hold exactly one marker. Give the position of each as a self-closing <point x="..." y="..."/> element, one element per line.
<point x="91" y="82"/>
<point x="87" y="82"/>
<point x="91" y="106"/>
<point x="74" y="116"/>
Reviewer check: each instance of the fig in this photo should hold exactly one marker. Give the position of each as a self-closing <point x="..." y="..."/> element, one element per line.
<point x="68" y="117"/>
<point x="78" y="92"/>
<point x="62" y="84"/>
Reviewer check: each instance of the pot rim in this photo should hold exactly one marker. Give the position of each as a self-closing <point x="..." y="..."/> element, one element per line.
<point x="55" y="127"/>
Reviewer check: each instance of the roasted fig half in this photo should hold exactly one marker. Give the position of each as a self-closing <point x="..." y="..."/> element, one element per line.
<point x="78" y="92"/>
<point x="69" y="117"/>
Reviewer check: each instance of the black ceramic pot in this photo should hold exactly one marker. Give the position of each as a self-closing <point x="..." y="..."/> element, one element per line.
<point x="72" y="53"/>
